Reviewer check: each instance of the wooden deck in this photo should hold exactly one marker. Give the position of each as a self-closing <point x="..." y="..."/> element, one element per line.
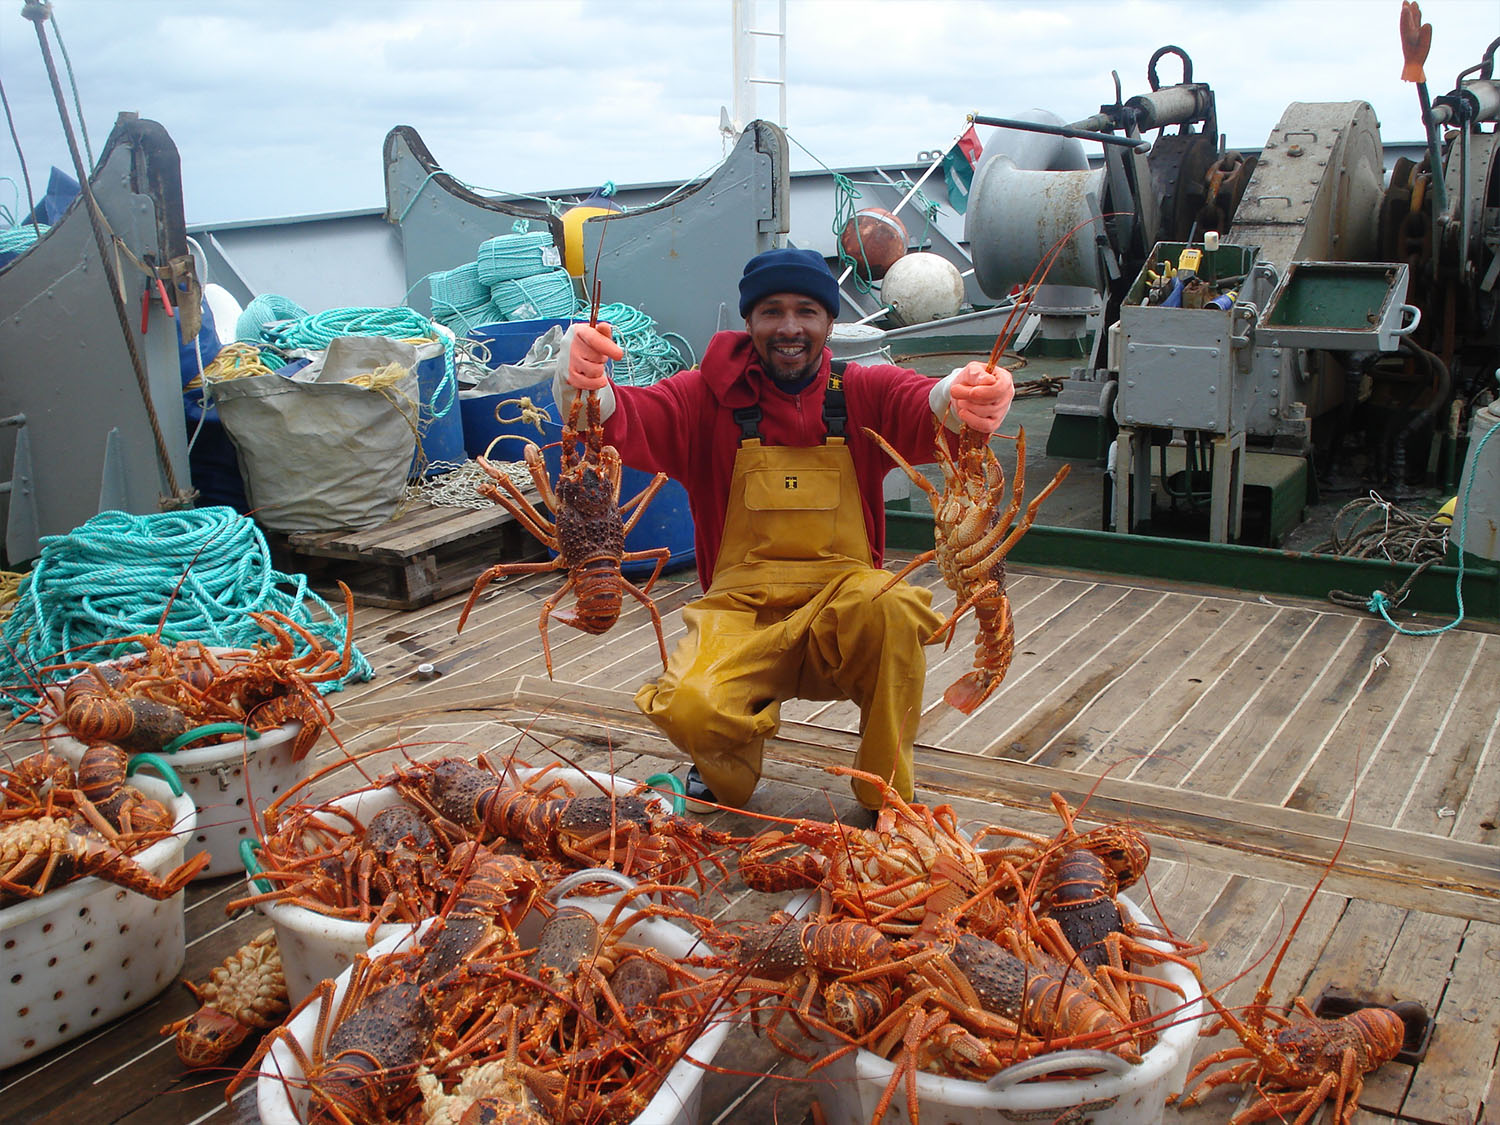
<point x="1244" y="736"/>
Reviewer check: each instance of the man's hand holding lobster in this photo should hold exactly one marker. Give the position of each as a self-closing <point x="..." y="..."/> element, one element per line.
<point x="981" y="397"/>
<point x="583" y="365"/>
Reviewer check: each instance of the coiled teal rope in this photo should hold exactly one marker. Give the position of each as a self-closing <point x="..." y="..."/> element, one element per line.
<point x="541" y="296"/>
<point x="18" y="239"/>
<point x="512" y="256"/>
<point x="1379" y="601"/>
<point x="264" y="310"/>
<point x="317" y="330"/>
<point x="117" y="575"/>
<point x="649" y="355"/>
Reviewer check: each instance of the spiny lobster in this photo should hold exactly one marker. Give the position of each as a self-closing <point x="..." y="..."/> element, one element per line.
<point x="589" y="531"/>
<point x="971" y="536"/>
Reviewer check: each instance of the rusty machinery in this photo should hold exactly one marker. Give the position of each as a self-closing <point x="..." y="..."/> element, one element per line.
<point x="1336" y="309"/>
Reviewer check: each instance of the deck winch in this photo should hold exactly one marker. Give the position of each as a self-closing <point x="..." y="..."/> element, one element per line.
<point x="1322" y="304"/>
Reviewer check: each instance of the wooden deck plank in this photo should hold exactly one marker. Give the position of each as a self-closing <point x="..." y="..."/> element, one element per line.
<point x="1417" y="969"/>
<point x="1210" y="711"/>
<point x="1115" y="642"/>
<point x="1377" y="748"/>
<point x="1456" y="788"/>
<point x="1292" y="717"/>
<point x="1149" y="705"/>
<point x="1463" y="1042"/>
<point x="1055" y="642"/>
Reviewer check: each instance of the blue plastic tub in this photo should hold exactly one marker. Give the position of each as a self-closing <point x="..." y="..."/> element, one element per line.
<point x="508" y="342"/>
<point x="441" y="434"/>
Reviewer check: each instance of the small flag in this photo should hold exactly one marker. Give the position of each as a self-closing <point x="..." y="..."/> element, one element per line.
<point x="958" y="168"/>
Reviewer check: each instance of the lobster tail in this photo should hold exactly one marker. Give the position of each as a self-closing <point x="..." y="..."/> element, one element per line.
<point x="597" y="584"/>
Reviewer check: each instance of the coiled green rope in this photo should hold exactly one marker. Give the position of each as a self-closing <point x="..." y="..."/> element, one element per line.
<point x="17" y="239"/>
<point x="317" y="330"/>
<point x="195" y="574"/>
<point x="649" y="355"/>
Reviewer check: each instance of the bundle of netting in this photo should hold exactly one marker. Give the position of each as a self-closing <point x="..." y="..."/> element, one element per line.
<point x="193" y="575"/>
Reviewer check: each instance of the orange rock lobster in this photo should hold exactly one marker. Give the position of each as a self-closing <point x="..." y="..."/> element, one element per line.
<point x="245" y="993"/>
<point x="51" y="833"/>
<point x="144" y="701"/>
<point x="1305" y="1061"/>
<point x="971" y="536"/>
<point x="588" y="533"/>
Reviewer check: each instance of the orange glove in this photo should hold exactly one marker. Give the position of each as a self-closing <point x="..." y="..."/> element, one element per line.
<point x="1416" y="41"/>
<point x="588" y="348"/>
<point x="981" y="398"/>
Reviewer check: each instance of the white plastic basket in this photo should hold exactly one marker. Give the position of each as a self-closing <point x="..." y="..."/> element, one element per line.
<point x="315" y="947"/>
<point x="1135" y="1096"/>
<point x="281" y="1097"/>
<point x="231" y="783"/>
<point x="89" y="951"/>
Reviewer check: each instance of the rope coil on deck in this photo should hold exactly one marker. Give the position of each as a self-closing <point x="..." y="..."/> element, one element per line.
<point x="194" y="574"/>
<point x="1381" y="602"/>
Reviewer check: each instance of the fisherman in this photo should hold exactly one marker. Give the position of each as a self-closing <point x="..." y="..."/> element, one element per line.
<point x="767" y="437"/>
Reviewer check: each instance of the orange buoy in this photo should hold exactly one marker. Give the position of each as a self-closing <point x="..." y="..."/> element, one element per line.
<point x="875" y="239"/>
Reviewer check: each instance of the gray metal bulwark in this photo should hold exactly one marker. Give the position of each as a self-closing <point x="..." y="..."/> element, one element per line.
<point x="64" y="364"/>
<point x="680" y="259"/>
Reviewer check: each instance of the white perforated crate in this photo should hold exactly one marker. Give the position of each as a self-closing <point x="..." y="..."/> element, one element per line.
<point x="89" y="951"/>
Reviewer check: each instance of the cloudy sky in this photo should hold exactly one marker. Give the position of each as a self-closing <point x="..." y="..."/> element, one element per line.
<point x="280" y="107"/>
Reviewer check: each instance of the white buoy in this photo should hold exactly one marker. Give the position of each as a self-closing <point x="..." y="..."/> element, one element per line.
<point x="922" y="287"/>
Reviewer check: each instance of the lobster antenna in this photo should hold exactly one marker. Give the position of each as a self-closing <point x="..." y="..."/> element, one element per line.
<point x="1038" y="275"/>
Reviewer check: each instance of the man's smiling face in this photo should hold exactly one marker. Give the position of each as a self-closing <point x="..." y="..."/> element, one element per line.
<point x="788" y="332"/>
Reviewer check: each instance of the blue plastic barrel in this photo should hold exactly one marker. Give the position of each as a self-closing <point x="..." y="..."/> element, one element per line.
<point x="440" y="424"/>
<point x="481" y="427"/>
<point x="508" y="342"/>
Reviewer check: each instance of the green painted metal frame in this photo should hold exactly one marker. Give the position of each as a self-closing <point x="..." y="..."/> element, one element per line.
<point x="1254" y="569"/>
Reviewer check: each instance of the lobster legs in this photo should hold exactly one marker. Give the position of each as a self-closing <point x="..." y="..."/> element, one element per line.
<point x="587" y="535"/>
<point x="971" y="542"/>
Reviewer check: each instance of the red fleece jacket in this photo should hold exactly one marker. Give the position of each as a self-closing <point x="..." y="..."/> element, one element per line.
<point x="684" y="427"/>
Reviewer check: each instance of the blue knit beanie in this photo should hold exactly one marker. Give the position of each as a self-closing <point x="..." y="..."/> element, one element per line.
<point x="789" y="271"/>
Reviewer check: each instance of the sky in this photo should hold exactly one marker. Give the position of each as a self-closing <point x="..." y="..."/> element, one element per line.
<point x="280" y="108"/>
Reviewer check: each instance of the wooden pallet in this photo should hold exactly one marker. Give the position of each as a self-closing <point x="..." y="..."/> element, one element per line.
<point x="427" y="553"/>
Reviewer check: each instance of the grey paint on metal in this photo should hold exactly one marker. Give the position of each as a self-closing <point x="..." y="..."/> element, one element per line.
<point x="21" y="531"/>
<point x="1067" y="312"/>
<point x="1178" y="370"/>
<point x="64" y="364"/>
<point x="439" y="224"/>
<point x="1016" y="215"/>
<point x="679" y="260"/>
<point x="1316" y="190"/>
<point x="321" y="263"/>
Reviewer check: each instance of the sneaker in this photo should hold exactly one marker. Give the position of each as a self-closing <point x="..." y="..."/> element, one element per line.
<point x="697" y="796"/>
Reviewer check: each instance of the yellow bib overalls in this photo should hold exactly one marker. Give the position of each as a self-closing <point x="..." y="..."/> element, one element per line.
<point x="792" y="613"/>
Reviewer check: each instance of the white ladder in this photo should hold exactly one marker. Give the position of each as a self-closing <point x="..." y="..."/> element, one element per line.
<point x="747" y="76"/>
